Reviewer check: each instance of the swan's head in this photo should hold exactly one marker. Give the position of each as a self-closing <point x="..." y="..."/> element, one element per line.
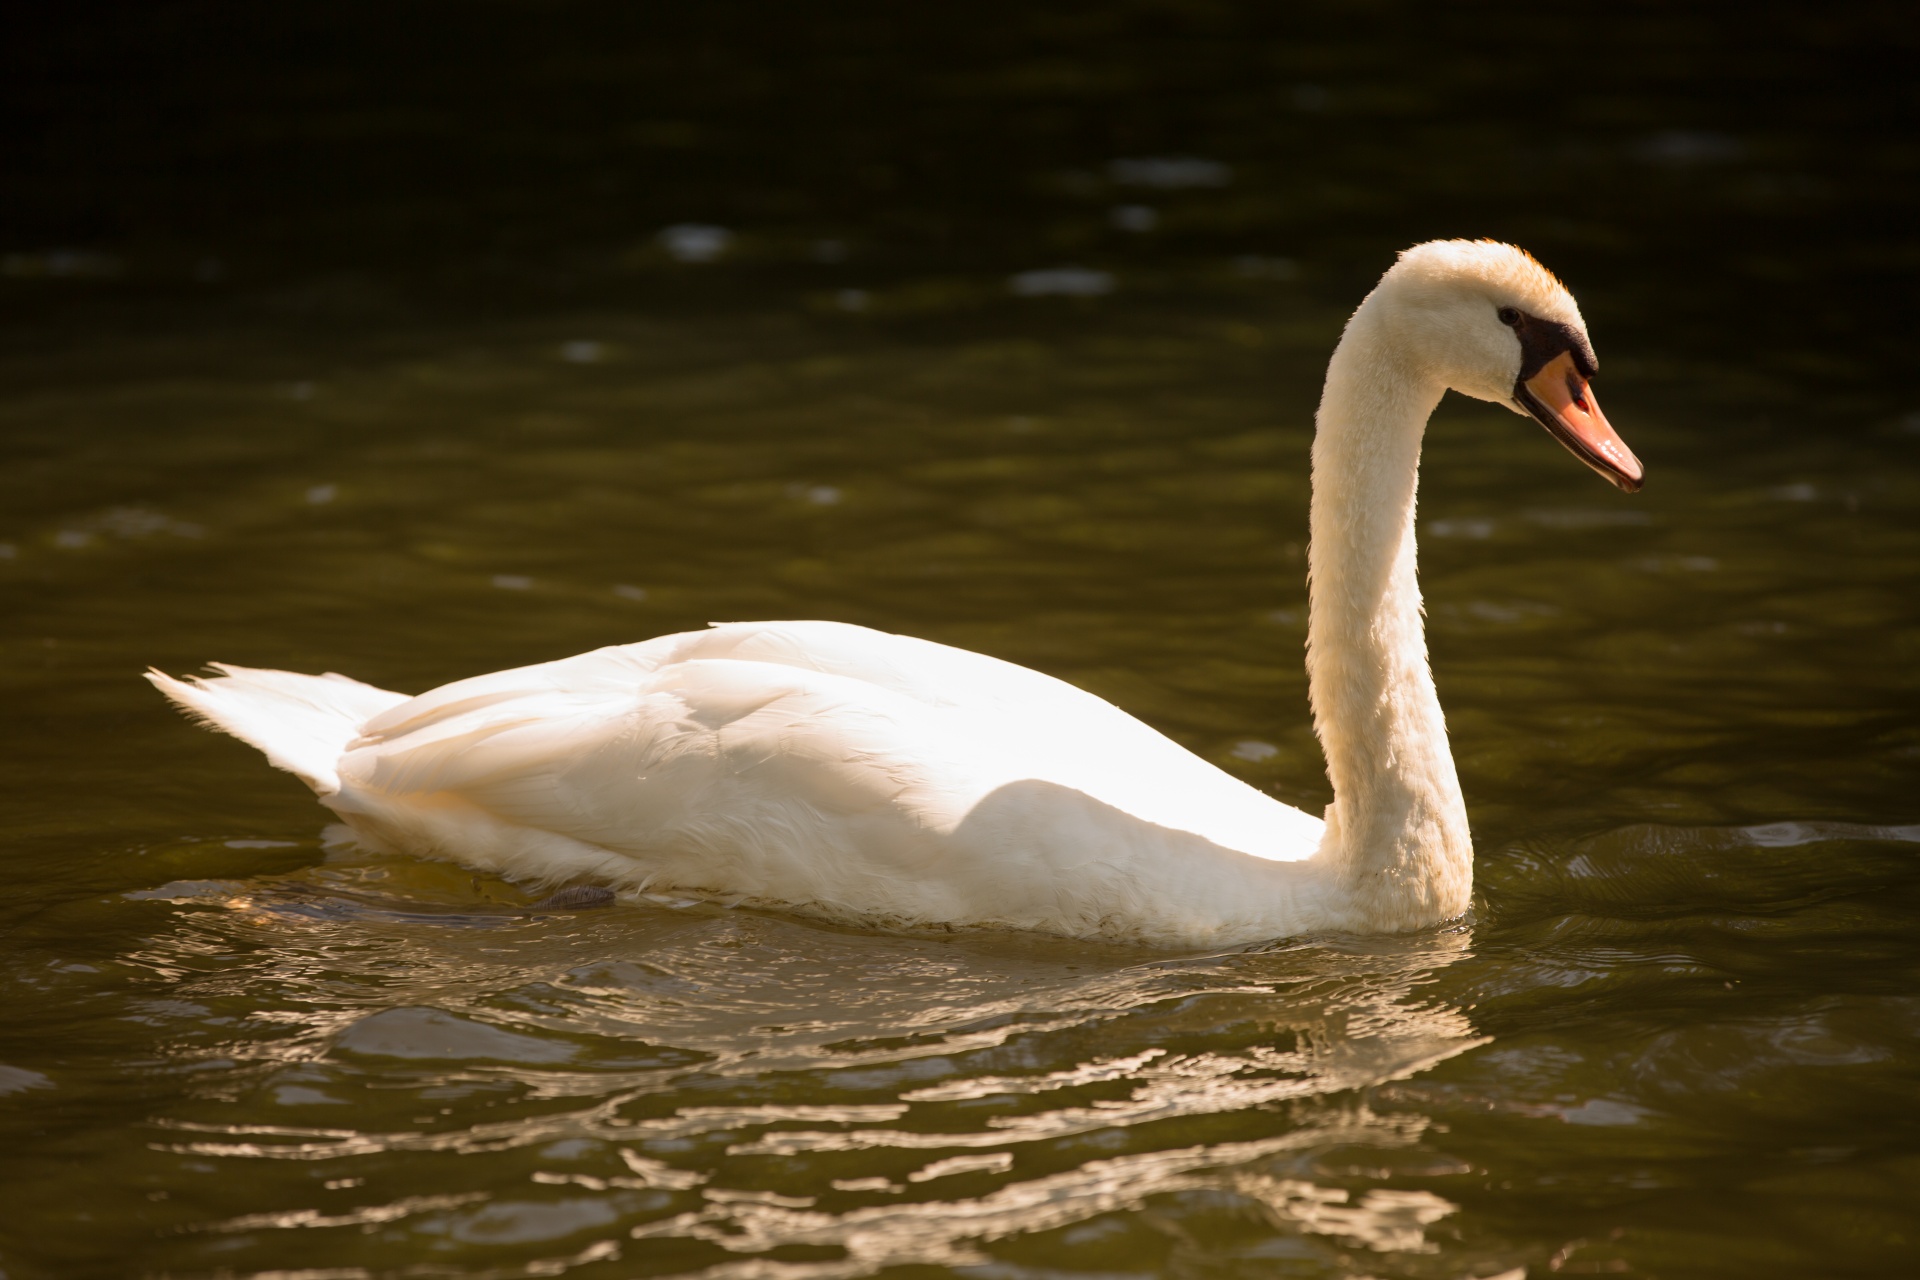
<point x="1490" y="322"/>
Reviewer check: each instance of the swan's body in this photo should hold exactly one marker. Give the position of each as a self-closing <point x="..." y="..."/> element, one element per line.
<point x="863" y="775"/>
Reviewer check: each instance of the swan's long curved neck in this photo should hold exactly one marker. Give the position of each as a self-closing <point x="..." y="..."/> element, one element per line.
<point x="1397" y="840"/>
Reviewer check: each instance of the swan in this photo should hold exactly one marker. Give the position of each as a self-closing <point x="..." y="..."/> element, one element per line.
<point x="852" y="774"/>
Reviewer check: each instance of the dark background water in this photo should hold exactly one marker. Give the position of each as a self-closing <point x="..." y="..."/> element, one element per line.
<point x="346" y="337"/>
<point x="1701" y="159"/>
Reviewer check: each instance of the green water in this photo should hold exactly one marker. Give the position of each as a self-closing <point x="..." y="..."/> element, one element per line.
<point x="455" y="408"/>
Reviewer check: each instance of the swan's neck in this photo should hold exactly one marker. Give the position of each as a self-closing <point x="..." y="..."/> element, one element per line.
<point x="1396" y="837"/>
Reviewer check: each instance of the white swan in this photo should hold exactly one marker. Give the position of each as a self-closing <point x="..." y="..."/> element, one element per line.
<point x="855" y="774"/>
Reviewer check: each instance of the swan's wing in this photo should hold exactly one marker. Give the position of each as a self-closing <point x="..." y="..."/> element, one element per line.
<point x="873" y="721"/>
<point x="716" y="774"/>
<point x="788" y="785"/>
<point x="617" y="668"/>
<point x="631" y="746"/>
<point x="934" y="674"/>
<point x="1043" y="726"/>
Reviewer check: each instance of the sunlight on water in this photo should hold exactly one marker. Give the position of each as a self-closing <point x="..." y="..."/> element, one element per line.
<point x="958" y="1090"/>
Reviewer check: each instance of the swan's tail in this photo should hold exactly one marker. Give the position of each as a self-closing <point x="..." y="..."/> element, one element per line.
<point x="302" y="723"/>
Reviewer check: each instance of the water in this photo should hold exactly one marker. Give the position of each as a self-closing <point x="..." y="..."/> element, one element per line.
<point x="1677" y="1036"/>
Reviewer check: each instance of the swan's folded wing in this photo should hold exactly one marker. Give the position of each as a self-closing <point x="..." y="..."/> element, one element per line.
<point x="919" y="669"/>
<point x="936" y="675"/>
<point x="626" y="767"/>
<point x="614" y="669"/>
<point x="775" y="718"/>
<point x="1020" y="724"/>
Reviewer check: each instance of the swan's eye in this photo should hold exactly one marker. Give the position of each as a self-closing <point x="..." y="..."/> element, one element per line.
<point x="1509" y="317"/>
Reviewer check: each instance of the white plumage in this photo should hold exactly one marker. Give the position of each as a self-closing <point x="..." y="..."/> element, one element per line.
<point x="860" y="775"/>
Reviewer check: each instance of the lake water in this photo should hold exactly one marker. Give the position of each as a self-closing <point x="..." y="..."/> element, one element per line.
<point x="1012" y="341"/>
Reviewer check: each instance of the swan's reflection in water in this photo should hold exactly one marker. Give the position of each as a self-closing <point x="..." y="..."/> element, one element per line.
<point x="716" y="1092"/>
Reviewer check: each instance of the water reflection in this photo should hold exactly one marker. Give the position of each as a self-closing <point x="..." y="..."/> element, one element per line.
<point x="878" y="1099"/>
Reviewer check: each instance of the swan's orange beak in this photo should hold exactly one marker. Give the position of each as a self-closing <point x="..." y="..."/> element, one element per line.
<point x="1560" y="400"/>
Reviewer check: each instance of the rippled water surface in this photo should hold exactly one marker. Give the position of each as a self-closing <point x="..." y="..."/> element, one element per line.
<point x="1679" y="1033"/>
